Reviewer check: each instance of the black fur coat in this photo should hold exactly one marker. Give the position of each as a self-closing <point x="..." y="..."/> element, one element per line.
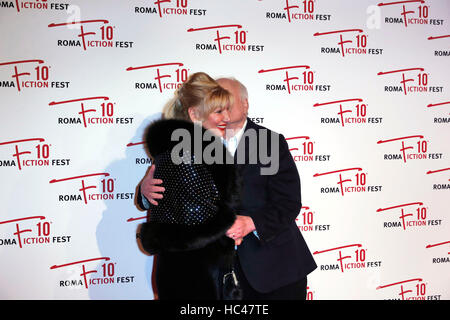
<point x="186" y="230"/>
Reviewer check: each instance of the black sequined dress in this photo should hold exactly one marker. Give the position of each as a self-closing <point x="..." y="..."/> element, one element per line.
<point x="186" y="230"/>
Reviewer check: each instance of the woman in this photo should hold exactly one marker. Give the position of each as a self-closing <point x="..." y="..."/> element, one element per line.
<point x="187" y="228"/>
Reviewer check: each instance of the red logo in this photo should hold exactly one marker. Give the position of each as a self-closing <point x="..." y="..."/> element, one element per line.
<point x="409" y="291"/>
<point x="360" y="42"/>
<point x="40" y="5"/>
<point x="106" y="275"/>
<point x="37" y="233"/>
<point x="349" y="261"/>
<point x="102" y="38"/>
<point x="104" y="115"/>
<point x="359" y="183"/>
<point x="304" y="11"/>
<point x="107" y="187"/>
<point x="304" y="150"/>
<point x="417" y="216"/>
<point x="238" y="39"/>
<point x="108" y="271"/>
<point x="41" y="75"/>
<point x="308" y="148"/>
<point x="181" y="8"/>
<point x="38" y="77"/>
<point x="40" y="155"/>
<point x="422" y="81"/>
<point x="303" y="81"/>
<point x="356" y="115"/>
<point x="406" y="17"/>
<point x="421" y="149"/>
<point x="180" y="74"/>
<point x="307" y="221"/>
<point x="308" y="10"/>
<point x="158" y="2"/>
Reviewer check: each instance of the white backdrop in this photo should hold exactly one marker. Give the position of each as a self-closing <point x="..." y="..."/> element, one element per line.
<point x="359" y="88"/>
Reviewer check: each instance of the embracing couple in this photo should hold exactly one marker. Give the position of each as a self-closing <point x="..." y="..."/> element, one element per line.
<point x="223" y="194"/>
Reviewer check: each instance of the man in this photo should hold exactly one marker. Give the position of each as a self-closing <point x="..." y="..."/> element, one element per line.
<point x="273" y="258"/>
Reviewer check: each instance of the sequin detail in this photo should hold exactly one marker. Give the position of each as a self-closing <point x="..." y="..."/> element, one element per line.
<point x="190" y="196"/>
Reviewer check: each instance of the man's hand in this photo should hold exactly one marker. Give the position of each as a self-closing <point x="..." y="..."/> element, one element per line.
<point x="150" y="188"/>
<point x="242" y="226"/>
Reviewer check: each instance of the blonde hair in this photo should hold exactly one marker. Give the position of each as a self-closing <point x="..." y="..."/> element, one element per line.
<point x="199" y="91"/>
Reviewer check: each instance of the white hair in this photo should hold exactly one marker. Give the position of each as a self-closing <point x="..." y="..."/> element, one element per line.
<point x="242" y="88"/>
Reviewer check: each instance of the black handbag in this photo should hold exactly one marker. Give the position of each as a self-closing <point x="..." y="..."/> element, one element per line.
<point x="231" y="289"/>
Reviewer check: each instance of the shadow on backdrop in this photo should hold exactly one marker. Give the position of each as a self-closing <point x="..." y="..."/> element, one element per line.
<point x="129" y="268"/>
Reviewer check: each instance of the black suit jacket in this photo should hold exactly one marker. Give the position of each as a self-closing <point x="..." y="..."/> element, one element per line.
<point x="278" y="254"/>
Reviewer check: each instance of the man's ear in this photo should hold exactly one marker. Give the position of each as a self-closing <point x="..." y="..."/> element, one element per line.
<point x="245" y="104"/>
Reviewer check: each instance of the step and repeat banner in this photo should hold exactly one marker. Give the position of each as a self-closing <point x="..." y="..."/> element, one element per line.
<point x="360" y="90"/>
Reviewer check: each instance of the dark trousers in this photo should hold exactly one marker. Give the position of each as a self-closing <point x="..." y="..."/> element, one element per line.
<point x="293" y="291"/>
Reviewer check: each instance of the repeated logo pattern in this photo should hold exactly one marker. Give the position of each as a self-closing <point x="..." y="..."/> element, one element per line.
<point x="358" y="89"/>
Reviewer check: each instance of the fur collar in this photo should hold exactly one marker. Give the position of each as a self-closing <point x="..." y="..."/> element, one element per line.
<point x="158" y="236"/>
<point x="158" y="137"/>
